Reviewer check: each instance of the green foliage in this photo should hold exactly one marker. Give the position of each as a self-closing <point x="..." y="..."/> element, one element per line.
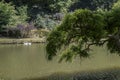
<point x="74" y="36"/>
<point x="11" y="17"/>
<point x="42" y="32"/>
<point x="60" y="5"/>
<point x="104" y="4"/>
<point x="26" y="2"/>
<point x="93" y="4"/>
<point x="117" y="4"/>
<point x="113" y="20"/>
<point x="21" y="16"/>
<point x="82" y="29"/>
<point x="52" y="5"/>
<point x="113" y="30"/>
<point x="45" y="22"/>
<point x="22" y="13"/>
<point x="7" y="11"/>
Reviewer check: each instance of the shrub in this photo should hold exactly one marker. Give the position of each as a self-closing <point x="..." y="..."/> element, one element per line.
<point x="21" y="31"/>
<point x="7" y="11"/>
<point x="11" y="17"/>
<point x="13" y="32"/>
<point x="60" y="5"/>
<point x="45" y="22"/>
<point x="43" y="32"/>
<point x="21" y="16"/>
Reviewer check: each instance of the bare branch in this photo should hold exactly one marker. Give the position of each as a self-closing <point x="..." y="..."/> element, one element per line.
<point x="102" y="42"/>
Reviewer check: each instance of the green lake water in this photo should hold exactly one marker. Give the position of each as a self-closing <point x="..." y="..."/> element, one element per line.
<point x="20" y="61"/>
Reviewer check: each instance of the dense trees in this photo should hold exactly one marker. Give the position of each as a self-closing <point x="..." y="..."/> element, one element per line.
<point x="30" y="9"/>
<point x="42" y="13"/>
<point x="7" y="12"/>
<point x="51" y="5"/>
<point x="92" y="4"/>
<point x="11" y="15"/>
<point x="113" y="28"/>
<point x="82" y="29"/>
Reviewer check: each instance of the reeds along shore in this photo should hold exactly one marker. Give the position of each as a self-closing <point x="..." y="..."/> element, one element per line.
<point x="106" y="74"/>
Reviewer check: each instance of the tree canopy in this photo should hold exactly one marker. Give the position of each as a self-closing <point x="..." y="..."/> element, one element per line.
<point x="6" y="13"/>
<point x="82" y="29"/>
<point x="93" y="4"/>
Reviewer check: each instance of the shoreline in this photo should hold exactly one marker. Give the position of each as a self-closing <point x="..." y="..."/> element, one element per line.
<point x="100" y="74"/>
<point x="21" y="40"/>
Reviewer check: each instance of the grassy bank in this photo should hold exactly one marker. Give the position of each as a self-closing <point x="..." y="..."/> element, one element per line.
<point x="21" y="41"/>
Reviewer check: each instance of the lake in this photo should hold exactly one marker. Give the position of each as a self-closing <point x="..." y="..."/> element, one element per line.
<point x="20" y="61"/>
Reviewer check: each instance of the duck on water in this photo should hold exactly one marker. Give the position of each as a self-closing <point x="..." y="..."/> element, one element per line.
<point x="27" y="43"/>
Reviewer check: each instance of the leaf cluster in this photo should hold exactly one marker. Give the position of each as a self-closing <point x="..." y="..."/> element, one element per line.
<point x="72" y="37"/>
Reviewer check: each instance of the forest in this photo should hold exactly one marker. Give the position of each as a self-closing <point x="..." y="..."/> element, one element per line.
<point x="26" y="18"/>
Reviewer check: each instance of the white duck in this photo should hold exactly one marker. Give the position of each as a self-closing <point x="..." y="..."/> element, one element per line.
<point x="27" y="43"/>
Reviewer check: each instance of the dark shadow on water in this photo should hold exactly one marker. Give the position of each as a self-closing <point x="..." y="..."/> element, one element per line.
<point x="106" y="74"/>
